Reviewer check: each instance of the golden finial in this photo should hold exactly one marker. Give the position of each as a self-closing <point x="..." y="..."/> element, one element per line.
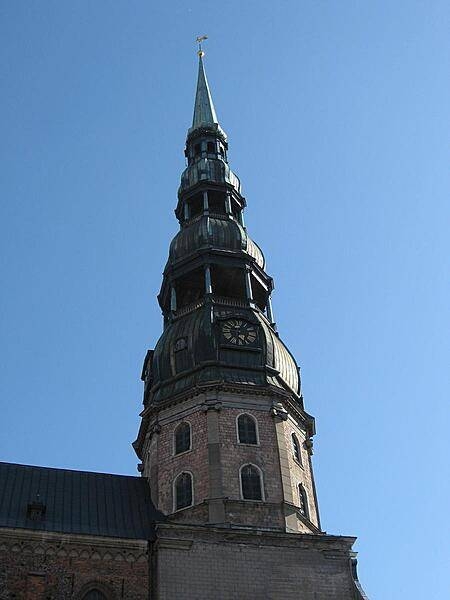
<point x="199" y="40"/>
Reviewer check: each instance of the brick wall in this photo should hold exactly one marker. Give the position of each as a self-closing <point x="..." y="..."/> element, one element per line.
<point x="216" y="457"/>
<point x="169" y="465"/>
<point x="300" y="472"/>
<point x="264" y="455"/>
<point x="44" y="566"/>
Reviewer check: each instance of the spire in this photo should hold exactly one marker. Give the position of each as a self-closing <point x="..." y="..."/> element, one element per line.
<point x="204" y="111"/>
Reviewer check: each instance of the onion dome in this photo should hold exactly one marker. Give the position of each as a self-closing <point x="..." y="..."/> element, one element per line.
<point x="214" y="232"/>
<point x="198" y="349"/>
<point x="209" y="169"/>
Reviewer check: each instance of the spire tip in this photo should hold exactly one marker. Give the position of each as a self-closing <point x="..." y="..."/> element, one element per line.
<point x="204" y="111"/>
<point x="199" y="40"/>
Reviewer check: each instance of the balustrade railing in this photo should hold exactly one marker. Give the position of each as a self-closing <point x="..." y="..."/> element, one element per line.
<point x="222" y="300"/>
<point x="184" y="310"/>
<point x="230" y="301"/>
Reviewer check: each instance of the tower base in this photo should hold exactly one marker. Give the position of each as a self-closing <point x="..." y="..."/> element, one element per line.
<point x="204" y="562"/>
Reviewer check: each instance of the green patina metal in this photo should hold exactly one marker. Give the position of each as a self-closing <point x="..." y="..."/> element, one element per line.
<point x="214" y="278"/>
<point x="204" y="111"/>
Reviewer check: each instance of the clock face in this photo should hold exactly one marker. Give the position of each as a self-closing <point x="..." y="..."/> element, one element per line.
<point x="238" y="332"/>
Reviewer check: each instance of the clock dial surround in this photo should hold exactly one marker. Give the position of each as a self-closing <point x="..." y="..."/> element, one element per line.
<point x="239" y="333"/>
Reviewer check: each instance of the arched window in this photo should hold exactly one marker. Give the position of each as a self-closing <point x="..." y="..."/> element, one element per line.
<point x="251" y="483"/>
<point x="303" y="501"/>
<point x="183" y="491"/>
<point x="94" y="594"/>
<point x="182" y="438"/>
<point x="296" y="449"/>
<point x="247" y="433"/>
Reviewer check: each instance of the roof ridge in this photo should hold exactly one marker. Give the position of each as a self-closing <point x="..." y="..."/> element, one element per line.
<point x="12" y="464"/>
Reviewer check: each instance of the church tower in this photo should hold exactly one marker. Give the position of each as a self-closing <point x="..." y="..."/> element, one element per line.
<point x="225" y="440"/>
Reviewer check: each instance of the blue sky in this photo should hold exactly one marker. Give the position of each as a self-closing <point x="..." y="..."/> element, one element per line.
<point x="338" y="122"/>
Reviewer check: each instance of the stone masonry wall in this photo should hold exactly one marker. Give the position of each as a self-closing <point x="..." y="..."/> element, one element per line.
<point x="200" y="565"/>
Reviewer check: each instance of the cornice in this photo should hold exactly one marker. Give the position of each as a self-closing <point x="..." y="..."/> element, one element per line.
<point x="334" y="545"/>
<point x="289" y="404"/>
<point x="22" y="538"/>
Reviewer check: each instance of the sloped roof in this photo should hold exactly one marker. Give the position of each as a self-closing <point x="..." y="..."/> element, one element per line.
<point x="204" y="111"/>
<point x="79" y="502"/>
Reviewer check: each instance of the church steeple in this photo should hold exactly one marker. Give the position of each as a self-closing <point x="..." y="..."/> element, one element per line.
<point x="220" y="383"/>
<point x="204" y="111"/>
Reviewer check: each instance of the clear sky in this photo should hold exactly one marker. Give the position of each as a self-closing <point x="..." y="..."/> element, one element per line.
<point x="338" y="121"/>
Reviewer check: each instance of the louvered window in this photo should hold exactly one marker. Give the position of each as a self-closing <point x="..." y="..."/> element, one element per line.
<point x="181" y="355"/>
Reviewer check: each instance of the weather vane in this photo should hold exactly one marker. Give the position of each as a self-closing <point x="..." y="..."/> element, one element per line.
<point x="199" y="40"/>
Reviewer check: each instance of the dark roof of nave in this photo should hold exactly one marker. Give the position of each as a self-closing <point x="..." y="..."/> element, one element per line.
<point x="76" y="502"/>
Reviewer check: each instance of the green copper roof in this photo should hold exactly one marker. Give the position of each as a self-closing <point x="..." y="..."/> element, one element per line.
<point x="204" y="111"/>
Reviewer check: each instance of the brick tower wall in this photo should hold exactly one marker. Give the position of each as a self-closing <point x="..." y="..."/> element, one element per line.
<point x="215" y="459"/>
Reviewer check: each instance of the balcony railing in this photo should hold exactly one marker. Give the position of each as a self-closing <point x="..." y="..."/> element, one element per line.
<point x="222" y="300"/>
<point x="236" y="302"/>
<point x="185" y="310"/>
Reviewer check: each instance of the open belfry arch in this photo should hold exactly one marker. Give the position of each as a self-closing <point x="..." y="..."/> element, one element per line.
<point x="225" y="506"/>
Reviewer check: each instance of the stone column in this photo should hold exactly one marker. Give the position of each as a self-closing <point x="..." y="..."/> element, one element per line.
<point x="216" y="505"/>
<point x="228" y="204"/>
<point x="173" y="299"/>
<point x="248" y="285"/>
<point x="151" y="462"/>
<point x="269" y="310"/>
<point x="208" y="285"/>
<point x="280" y="415"/>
